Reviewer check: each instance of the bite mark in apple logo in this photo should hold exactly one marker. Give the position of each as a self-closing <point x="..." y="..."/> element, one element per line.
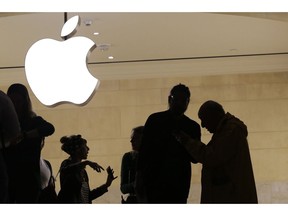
<point x="57" y="71"/>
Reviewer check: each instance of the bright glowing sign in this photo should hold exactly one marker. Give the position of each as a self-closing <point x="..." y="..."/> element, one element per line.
<point x="57" y="70"/>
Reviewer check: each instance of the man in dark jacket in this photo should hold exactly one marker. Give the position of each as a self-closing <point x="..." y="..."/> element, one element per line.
<point x="164" y="167"/>
<point x="227" y="173"/>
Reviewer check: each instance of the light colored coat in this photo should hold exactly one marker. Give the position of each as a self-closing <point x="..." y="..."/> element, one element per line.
<point x="227" y="173"/>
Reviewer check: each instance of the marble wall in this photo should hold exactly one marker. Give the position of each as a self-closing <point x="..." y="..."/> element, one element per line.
<point x="260" y="100"/>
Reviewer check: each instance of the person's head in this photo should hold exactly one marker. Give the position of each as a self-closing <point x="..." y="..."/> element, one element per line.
<point x="136" y="137"/>
<point x="179" y="99"/>
<point x="19" y="95"/>
<point x="210" y="114"/>
<point x="75" y="146"/>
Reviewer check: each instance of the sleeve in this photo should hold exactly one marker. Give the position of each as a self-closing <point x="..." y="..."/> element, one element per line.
<point x="97" y="192"/>
<point x="219" y="150"/>
<point x="126" y="186"/>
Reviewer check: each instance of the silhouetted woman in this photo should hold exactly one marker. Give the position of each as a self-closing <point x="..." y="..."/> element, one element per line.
<point x="24" y="170"/>
<point x="74" y="180"/>
<point x="128" y="166"/>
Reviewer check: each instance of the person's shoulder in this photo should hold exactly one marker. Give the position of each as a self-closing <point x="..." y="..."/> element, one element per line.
<point x="5" y="100"/>
<point x="158" y="114"/>
<point x="127" y="154"/>
<point x="192" y="121"/>
<point x="65" y="163"/>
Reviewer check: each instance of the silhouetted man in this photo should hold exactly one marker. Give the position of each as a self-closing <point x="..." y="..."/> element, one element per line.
<point x="164" y="166"/>
<point x="227" y="173"/>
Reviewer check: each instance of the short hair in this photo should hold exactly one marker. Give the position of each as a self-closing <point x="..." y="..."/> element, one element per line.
<point x="72" y="143"/>
<point x="180" y="88"/>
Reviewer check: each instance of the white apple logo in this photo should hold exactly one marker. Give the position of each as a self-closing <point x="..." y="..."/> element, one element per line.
<point x="57" y="70"/>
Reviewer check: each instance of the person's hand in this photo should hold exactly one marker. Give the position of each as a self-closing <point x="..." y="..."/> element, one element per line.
<point x="95" y="166"/>
<point x="110" y="177"/>
<point x="181" y="137"/>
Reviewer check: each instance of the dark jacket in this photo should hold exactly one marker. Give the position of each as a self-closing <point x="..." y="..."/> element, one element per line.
<point x="72" y="181"/>
<point x="165" y="165"/>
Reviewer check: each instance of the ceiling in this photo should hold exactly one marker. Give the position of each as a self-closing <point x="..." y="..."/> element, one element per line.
<point x="148" y="45"/>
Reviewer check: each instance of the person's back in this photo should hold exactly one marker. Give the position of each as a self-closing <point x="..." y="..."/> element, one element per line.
<point x="227" y="173"/>
<point x="236" y="166"/>
<point x="164" y="165"/>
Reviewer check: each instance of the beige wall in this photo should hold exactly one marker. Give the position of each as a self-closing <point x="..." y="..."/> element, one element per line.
<point x="260" y="100"/>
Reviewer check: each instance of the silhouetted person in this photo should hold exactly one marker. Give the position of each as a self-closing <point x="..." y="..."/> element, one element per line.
<point x="9" y="131"/>
<point x="48" y="192"/>
<point x="227" y="173"/>
<point x="128" y="166"/>
<point x="24" y="172"/>
<point x="164" y="167"/>
<point x="74" y="181"/>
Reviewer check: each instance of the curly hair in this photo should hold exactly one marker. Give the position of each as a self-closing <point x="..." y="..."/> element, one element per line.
<point x="71" y="143"/>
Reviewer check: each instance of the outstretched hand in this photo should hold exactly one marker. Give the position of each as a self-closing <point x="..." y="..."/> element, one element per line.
<point x="110" y="177"/>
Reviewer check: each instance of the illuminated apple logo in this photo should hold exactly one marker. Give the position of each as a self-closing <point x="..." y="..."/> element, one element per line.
<point x="57" y="70"/>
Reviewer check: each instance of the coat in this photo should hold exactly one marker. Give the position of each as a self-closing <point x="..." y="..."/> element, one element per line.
<point x="72" y="181"/>
<point x="227" y="173"/>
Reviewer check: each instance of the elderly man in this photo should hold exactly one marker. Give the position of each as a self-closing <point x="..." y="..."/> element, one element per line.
<point x="227" y="173"/>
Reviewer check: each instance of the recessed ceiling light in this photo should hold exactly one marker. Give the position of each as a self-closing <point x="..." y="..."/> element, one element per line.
<point x="96" y="33"/>
<point x="88" y="22"/>
<point x="111" y="57"/>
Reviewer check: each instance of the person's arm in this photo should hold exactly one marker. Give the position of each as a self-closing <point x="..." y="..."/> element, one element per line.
<point x="99" y="191"/>
<point x="83" y="164"/>
<point x="219" y="150"/>
<point x="196" y="136"/>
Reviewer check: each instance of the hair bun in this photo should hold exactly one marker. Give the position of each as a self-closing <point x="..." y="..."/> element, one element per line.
<point x="71" y="143"/>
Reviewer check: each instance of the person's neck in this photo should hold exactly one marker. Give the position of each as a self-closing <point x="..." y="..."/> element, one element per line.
<point x="75" y="159"/>
<point x="176" y="115"/>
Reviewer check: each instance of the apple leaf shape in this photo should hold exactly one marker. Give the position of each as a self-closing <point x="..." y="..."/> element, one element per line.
<point x="70" y="27"/>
